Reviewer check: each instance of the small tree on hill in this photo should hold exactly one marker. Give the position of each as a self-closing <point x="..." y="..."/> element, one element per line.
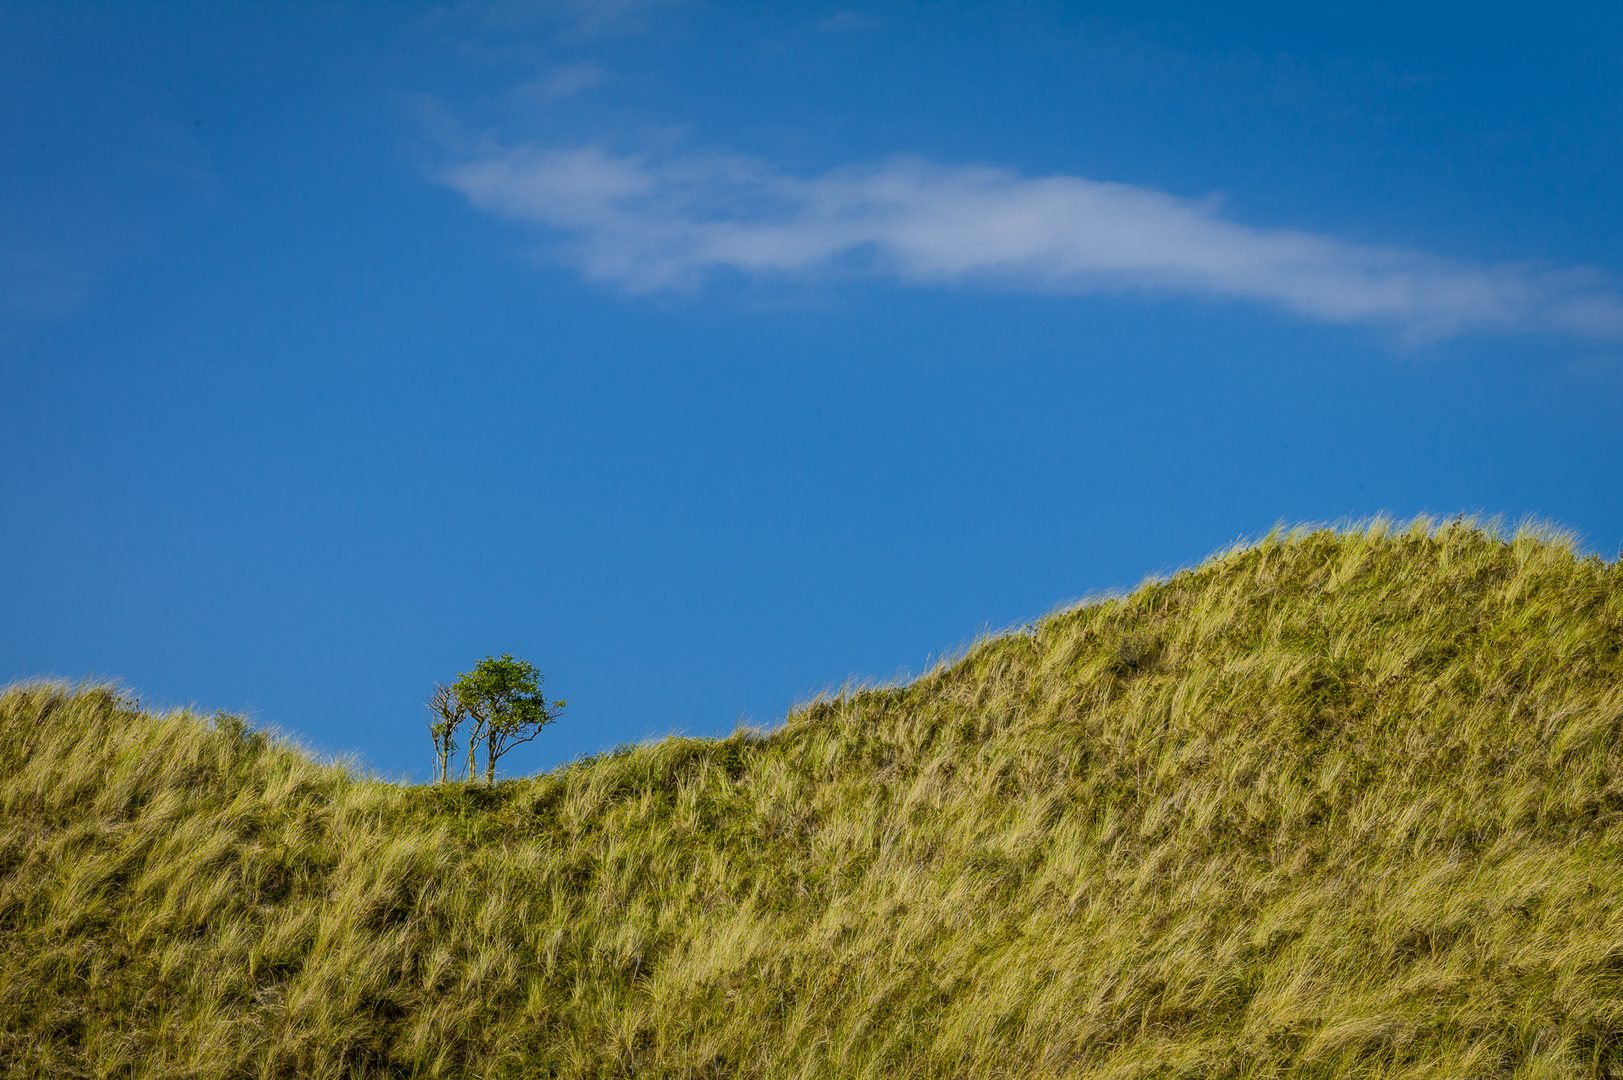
<point x="445" y="715"/>
<point x="503" y="698"/>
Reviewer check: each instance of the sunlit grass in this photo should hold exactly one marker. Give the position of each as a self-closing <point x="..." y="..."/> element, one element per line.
<point x="1330" y="804"/>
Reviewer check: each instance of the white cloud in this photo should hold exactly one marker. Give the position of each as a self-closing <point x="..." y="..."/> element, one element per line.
<point x="650" y="224"/>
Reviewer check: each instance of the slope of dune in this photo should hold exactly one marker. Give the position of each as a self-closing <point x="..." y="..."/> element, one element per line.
<point x="1332" y="804"/>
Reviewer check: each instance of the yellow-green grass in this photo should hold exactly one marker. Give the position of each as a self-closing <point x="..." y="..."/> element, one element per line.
<point x="1332" y="804"/>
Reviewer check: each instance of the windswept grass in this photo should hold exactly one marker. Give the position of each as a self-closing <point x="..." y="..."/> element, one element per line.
<point x="1332" y="804"/>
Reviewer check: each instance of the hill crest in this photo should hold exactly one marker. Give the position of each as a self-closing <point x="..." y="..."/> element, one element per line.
<point x="1331" y="803"/>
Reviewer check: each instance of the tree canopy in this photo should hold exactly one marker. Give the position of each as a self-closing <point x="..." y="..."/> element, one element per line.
<point x="502" y="696"/>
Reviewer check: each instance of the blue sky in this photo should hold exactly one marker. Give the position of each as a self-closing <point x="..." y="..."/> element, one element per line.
<point x="710" y="355"/>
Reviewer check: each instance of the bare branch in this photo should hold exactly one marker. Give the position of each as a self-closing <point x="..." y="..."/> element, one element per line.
<point x="446" y="715"/>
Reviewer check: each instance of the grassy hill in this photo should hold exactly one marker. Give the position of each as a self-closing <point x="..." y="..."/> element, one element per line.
<point x="1334" y="804"/>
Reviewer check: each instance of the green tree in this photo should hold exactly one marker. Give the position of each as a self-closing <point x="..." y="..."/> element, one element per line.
<point x="503" y="698"/>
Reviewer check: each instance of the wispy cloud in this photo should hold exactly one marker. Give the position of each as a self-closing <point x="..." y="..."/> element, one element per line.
<point x="562" y="82"/>
<point x="576" y="19"/>
<point x="849" y="20"/>
<point x="651" y="223"/>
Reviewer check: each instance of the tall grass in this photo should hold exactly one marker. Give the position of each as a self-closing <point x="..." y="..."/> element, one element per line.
<point x="1331" y="804"/>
